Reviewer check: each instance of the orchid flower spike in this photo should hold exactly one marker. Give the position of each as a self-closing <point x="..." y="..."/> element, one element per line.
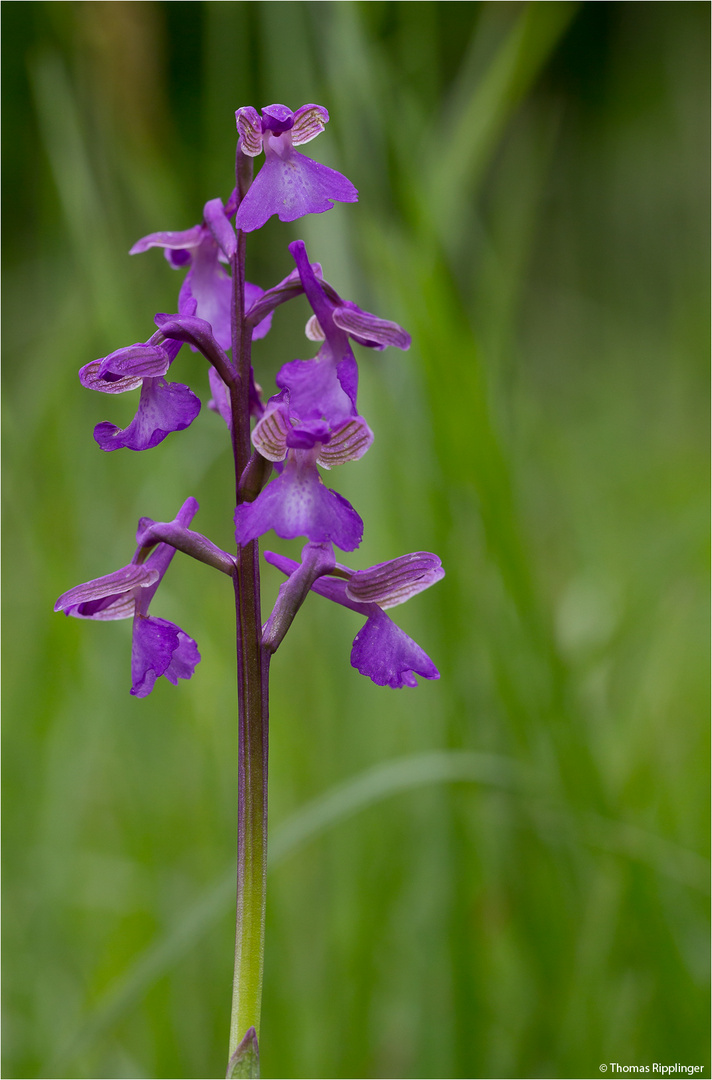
<point x="288" y="184"/>
<point x="158" y="647"/>
<point x="381" y="650"/>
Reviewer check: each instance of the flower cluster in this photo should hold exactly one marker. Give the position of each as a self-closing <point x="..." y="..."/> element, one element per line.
<point x="311" y="422"/>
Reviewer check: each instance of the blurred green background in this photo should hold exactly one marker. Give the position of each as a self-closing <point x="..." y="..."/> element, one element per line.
<point x="500" y="874"/>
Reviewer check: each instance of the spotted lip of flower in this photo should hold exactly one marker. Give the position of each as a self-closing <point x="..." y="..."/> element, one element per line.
<point x="327" y="384"/>
<point x="163" y="407"/>
<point x="296" y="502"/>
<point x="381" y="650"/>
<point x="158" y="647"/>
<point x="202" y="248"/>
<point x="289" y="184"/>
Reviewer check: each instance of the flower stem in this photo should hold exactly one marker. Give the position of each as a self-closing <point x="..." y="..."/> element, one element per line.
<point x="252" y="676"/>
<point x="252" y="693"/>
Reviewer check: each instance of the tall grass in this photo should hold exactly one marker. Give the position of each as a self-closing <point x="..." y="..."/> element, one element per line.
<point x="500" y="874"/>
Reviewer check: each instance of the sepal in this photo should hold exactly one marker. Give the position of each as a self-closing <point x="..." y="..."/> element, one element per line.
<point x="174" y="241"/>
<point x="349" y="441"/>
<point x="222" y="231"/>
<point x="249" y="127"/>
<point x="270" y="433"/>
<point x="108" y="597"/>
<point x="309" y="121"/>
<point x="390" y="583"/>
<point x="368" y="329"/>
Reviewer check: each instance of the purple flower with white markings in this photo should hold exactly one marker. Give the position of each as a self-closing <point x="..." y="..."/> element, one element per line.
<point x="326" y="386"/>
<point x="296" y="502"/>
<point x="288" y="184"/>
<point x="163" y="407"/>
<point x="201" y="248"/>
<point x="381" y="650"/>
<point x="158" y="647"/>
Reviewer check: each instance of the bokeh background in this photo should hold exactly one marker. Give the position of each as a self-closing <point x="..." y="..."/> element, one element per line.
<point x="500" y="874"/>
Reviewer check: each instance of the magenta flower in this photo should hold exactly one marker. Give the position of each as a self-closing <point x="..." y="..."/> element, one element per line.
<point x="288" y="184"/>
<point x="163" y="406"/>
<point x="202" y="247"/>
<point x="296" y="502"/>
<point x="381" y="650"/>
<point x="326" y="386"/>
<point x="159" y="647"/>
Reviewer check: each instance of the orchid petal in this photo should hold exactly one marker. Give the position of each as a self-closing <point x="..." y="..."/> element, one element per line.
<point x="307" y="433"/>
<point x="90" y="378"/>
<point x="368" y="329"/>
<point x="220" y="401"/>
<point x="315" y="390"/>
<point x="163" y="407"/>
<point x="270" y="433"/>
<point x="249" y="127"/>
<point x="160" y="648"/>
<point x="309" y="121"/>
<point x="390" y="583"/>
<point x="349" y="442"/>
<point x="292" y="187"/>
<point x="297" y="503"/>
<point x="388" y="656"/>
<point x="188" y="238"/>
<point x="211" y="288"/>
<point x="277" y="119"/>
<point x="221" y="229"/>
<point x="109" y="597"/>
<point x="313" y="330"/>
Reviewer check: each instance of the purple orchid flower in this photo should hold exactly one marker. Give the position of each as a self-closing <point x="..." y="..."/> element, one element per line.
<point x="159" y="647"/>
<point x="163" y="406"/>
<point x="296" y="502"/>
<point x="288" y="184"/>
<point x="326" y="386"/>
<point x="381" y="650"/>
<point x="202" y="247"/>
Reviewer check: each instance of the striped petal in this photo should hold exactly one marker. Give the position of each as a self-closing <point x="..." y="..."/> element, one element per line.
<point x="313" y="330"/>
<point x="249" y="127"/>
<point x="390" y="583"/>
<point x="270" y="433"/>
<point x="110" y="597"/>
<point x="309" y="121"/>
<point x="188" y="238"/>
<point x="348" y="442"/>
<point x="368" y="329"/>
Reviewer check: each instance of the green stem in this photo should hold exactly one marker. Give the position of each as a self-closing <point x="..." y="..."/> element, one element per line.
<point x="253" y="670"/>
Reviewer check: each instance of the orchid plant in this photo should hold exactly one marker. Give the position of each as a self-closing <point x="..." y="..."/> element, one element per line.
<point x="279" y="446"/>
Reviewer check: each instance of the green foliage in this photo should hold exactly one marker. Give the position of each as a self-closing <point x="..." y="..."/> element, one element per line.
<point x="496" y="875"/>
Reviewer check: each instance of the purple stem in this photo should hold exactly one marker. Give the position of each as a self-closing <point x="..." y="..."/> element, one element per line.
<point x="252" y="692"/>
